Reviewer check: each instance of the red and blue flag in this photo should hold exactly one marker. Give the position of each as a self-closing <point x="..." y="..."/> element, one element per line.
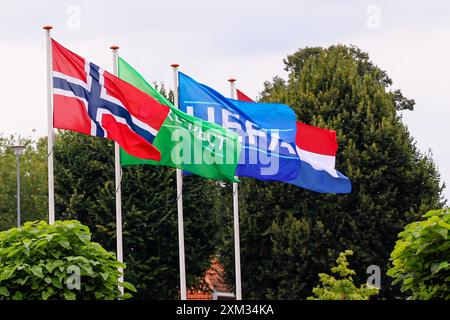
<point x="90" y="100"/>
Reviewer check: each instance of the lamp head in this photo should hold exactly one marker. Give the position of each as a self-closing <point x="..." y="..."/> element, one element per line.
<point x="18" y="149"/>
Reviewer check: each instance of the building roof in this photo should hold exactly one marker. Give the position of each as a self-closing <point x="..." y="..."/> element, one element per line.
<point x="214" y="280"/>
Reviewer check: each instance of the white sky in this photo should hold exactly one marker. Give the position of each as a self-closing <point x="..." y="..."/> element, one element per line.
<point x="215" y="40"/>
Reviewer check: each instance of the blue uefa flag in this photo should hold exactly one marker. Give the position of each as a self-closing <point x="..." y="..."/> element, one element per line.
<point x="267" y="132"/>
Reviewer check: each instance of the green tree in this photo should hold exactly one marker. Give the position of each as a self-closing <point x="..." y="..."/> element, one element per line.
<point x="33" y="172"/>
<point x="40" y="262"/>
<point x="421" y="258"/>
<point x="84" y="190"/>
<point x="342" y="288"/>
<point x="289" y="235"/>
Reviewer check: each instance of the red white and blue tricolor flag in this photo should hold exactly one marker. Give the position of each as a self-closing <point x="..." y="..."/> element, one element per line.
<point x="90" y="100"/>
<point x="316" y="148"/>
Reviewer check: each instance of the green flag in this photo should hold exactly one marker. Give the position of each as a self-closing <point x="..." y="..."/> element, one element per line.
<point x="186" y="142"/>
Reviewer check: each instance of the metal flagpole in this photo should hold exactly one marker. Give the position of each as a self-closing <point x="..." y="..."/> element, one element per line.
<point x="51" y="187"/>
<point x="118" y="174"/>
<point x="18" y="189"/>
<point x="18" y="149"/>
<point x="180" y="201"/>
<point x="237" y="246"/>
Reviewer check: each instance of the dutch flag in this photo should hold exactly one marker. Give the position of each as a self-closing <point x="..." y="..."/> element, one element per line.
<point x="316" y="148"/>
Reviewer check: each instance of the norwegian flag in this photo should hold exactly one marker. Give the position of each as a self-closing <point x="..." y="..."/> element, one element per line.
<point x="89" y="100"/>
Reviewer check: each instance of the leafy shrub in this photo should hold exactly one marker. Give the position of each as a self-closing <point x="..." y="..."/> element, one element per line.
<point x="421" y="257"/>
<point x="344" y="288"/>
<point x="59" y="261"/>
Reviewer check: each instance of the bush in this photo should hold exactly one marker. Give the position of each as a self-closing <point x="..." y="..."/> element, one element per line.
<point x="421" y="257"/>
<point x="59" y="261"/>
<point x="341" y="289"/>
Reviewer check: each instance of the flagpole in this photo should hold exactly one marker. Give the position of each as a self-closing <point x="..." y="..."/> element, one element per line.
<point x="118" y="176"/>
<point x="51" y="186"/>
<point x="237" y="246"/>
<point x="180" y="201"/>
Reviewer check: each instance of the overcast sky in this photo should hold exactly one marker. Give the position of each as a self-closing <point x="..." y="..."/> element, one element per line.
<point x="214" y="40"/>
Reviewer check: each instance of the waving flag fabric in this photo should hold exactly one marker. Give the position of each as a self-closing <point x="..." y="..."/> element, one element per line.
<point x="209" y="151"/>
<point x="267" y="134"/>
<point x="243" y="97"/>
<point x="317" y="149"/>
<point x="89" y="100"/>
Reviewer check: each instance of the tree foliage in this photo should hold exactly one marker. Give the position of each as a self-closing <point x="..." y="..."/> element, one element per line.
<point x="289" y="235"/>
<point x="85" y="190"/>
<point x="40" y="262"/>
<point x="341" y="288"/>
<point x="421" y="258"/>
<point x="33" y="172"/>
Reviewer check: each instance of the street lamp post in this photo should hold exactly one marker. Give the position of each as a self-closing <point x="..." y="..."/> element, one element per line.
<point x="18" y="151"/>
